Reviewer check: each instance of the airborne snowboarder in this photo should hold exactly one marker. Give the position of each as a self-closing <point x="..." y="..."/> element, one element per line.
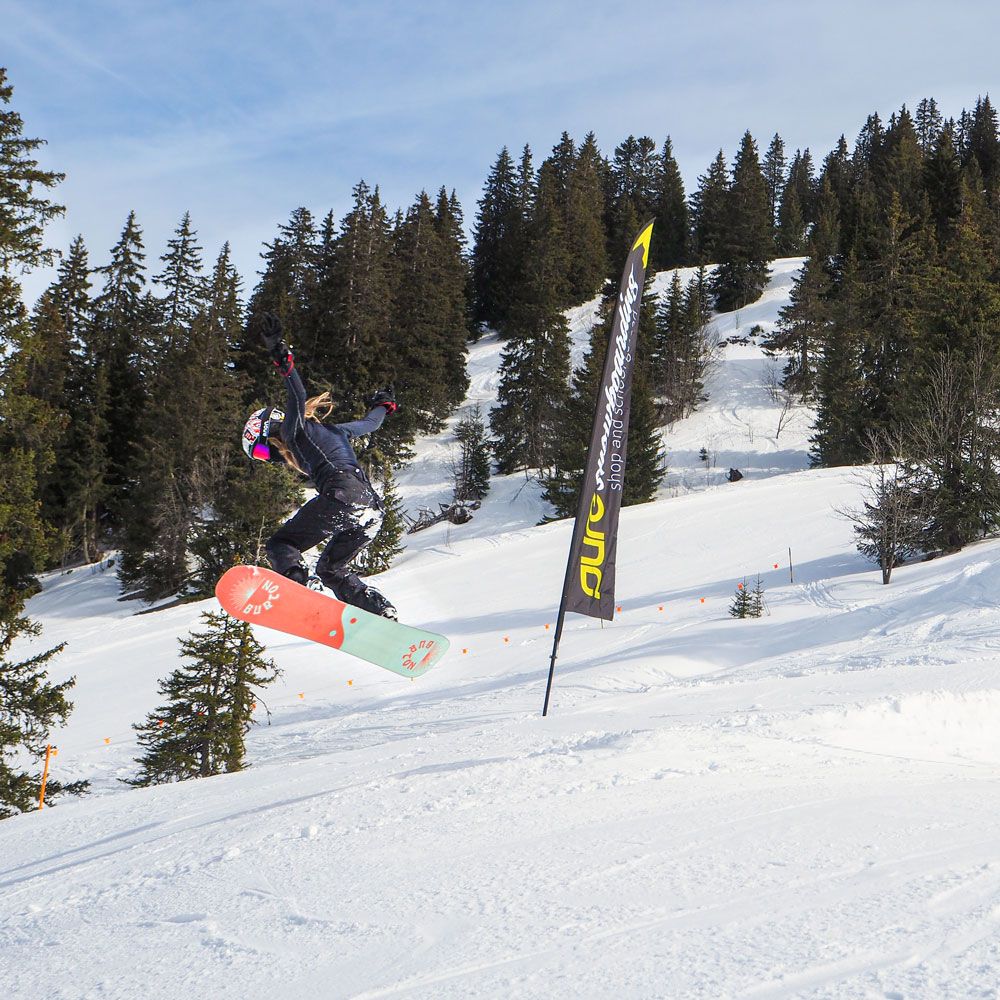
<point x="346" y="511"/>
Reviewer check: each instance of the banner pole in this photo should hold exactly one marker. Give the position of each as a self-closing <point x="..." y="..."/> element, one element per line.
<point x="555" y="649"/>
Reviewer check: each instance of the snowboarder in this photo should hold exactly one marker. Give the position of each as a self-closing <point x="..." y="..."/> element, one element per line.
<point x="346" y="511"/>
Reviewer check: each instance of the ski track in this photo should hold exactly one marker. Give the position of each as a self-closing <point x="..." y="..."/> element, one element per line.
<point x="804" y="805"/>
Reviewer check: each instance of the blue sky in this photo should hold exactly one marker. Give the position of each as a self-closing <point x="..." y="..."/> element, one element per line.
<point x="241" y="111"/>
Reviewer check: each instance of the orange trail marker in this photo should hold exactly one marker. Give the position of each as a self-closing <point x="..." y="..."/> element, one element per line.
<point x="107" y="740"/>
<point x="465" y="651"/>
<point x="546" y="625"/>
<point x="302" y="694"/>
<point x="661" y="607"/>
<point x="506" y="638"/>
<point x="349" y="683"/>
<point x="702" y="600"/>
<point x="739" y="586"/>
<point x="775" y="565"/>
<point x="618" y="608"/>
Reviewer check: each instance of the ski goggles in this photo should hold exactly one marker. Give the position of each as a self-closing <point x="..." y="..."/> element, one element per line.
<point x="261" y="448"/>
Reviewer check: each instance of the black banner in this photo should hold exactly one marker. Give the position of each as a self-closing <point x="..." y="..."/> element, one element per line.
<point x="590" y="577"/>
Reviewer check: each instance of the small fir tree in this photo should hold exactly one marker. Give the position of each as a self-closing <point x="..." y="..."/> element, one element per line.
<point x="29" y="707"/>
<point x="472" y="466"/>
<point x="201" y="729"/>
<point x="742" y="601"/>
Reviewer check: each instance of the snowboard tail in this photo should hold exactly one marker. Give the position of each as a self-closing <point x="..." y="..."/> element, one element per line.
<point x="262" y="597"/>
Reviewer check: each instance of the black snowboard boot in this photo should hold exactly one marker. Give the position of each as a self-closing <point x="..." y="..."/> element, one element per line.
<point x="378" y="604"/>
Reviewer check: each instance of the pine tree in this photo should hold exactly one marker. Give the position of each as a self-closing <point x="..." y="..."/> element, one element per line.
<point x="708" y="211"/>
<point x="498" y="232"/>
<point x="742" y="603"/>
<point x="747" y="243"/>
<point x="584" y="224"/>
<point x="942" y="180"/>
<point x="837" y="321"/>
<point x="790" y="239"/>
<point x="634" y="185"/>
<point x="672" y="220"/>
<point x="288" y="288"/>
<point x="801" y="327"/>
<point x="428" y="325"/>
<point x="681" y="351"/>
<point x="900" y="166"/>
<point x="181" y="279"/>
<point x="454" y="278"/>
<point x="24" y="212"/>
<point x="200" y="731"/>
<point x="802" y="177"/>
<point x="929" y="122"/>
<point x="535" y="361"/>
<point x="472" y="466"/>
<point x="29" y="707"/>
<point x="774" y="175"/>
<point x="124" y="323"/>
<point x="984" y="145"/>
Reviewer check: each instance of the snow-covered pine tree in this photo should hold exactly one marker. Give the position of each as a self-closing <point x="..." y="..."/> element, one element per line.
<point x="201" y="728"/>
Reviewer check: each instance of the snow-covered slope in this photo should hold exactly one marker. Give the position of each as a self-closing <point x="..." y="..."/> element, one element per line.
<point x="801" y="805"/>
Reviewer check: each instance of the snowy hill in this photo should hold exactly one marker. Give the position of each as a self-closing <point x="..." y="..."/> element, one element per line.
<point x="800" y="805"/>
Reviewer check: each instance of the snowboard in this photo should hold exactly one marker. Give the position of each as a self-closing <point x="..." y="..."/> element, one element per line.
<point x="262" y="597"/>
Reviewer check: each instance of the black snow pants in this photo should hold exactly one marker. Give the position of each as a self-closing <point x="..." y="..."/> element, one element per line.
<point x="348" y="513"/>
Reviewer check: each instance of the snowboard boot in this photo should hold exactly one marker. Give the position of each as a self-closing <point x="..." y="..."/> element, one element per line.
<point x="378" y="604"/>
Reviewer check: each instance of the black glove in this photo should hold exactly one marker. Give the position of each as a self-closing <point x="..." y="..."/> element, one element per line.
<point x="384" y="397"/>
<point x="268" y="328"/>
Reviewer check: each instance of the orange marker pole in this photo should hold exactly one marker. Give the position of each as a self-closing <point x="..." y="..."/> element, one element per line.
<point x="45" y="775"/>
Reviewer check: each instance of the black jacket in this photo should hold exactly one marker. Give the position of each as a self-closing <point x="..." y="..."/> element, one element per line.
<point x="322" y="450"/>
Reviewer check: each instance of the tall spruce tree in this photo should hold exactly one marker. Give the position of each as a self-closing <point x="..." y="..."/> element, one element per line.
<point x="584" y="225"/>
<point x="634" y="184"/>
<point x="672" y="220"/>
<point x="774" y="175"/>
<point x="498" y="235"/>
<point x="200" y="730"/>
<point x="125" y="321"/>
<point x="535" y="362"/>
<point x="747" y="243"/>
<point x="708" y="211"/>
<point x="24" y="212"/>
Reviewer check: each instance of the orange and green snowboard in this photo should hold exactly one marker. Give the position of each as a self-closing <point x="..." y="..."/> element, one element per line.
<point x="262" y="597"/>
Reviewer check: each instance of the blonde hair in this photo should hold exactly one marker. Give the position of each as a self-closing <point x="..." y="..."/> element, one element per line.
<point x="317" y="408"/>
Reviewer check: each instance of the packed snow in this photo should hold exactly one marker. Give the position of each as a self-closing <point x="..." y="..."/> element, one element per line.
<point x="802" y="805"/>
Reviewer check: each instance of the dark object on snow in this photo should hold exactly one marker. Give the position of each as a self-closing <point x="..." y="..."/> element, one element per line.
<point x="734" y="475"/>
<point x="458" y="512"/>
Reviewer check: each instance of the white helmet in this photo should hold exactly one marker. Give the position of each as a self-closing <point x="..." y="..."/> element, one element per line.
<point x="263" y="424"/>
